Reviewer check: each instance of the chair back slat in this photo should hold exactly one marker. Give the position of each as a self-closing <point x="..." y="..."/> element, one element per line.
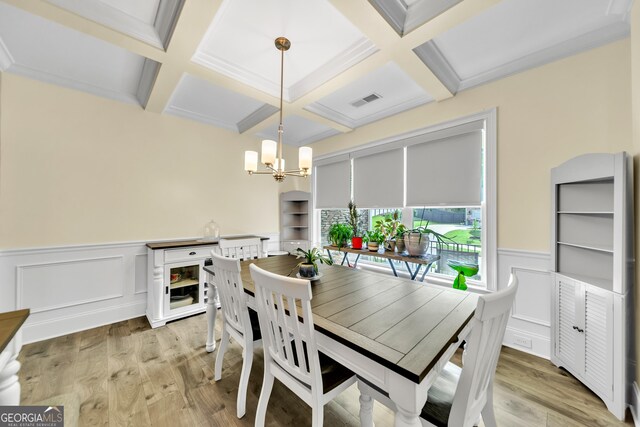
<point x="241" y="248"/>
<point x="284" y="310"/>
<point x="232" y="295"/>
<point x="484" y="345"/>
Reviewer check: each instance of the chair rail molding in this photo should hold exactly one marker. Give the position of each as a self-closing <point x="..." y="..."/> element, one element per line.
<point x="73" y="288"/>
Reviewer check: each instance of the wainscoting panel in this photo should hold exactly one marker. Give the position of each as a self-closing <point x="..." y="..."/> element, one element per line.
<point x="529" y="327"/>
<point x="74" y="288"/>
<point x="61" y="284"/>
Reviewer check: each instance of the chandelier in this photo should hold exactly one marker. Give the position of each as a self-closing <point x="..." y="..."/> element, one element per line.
<point x="275" y="165"/>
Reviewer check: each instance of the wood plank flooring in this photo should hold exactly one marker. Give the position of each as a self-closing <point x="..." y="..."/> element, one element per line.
<point x="129" y="374"/>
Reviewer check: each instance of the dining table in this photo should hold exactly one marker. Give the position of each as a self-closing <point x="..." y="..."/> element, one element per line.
<point x="395" y="333"/>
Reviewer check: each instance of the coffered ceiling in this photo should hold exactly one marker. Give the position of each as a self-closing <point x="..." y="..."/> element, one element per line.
<point x="351" y="62"/>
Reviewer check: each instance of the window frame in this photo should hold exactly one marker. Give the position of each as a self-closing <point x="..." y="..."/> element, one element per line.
<point x="488" y="206"/>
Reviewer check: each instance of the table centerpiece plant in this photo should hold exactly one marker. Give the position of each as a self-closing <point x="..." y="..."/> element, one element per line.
<point x="339" y="234"/>
<point x="309" y="267"/>
<point x="356" y="239"/>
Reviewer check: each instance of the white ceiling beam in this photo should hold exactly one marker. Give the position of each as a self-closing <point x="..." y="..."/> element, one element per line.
<point x="54" y="13"/>
<point x="190" y="29"/>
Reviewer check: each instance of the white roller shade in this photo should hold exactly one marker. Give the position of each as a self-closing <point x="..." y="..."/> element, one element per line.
<point x="333" y="185"/>
<point x="378" y="179"/>
<point x="445" y="171"/>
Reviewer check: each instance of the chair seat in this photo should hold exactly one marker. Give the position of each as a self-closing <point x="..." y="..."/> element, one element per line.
<point x="255" y="324"/>
<point x="333" y="373"/>
<point x="440" y="397"/>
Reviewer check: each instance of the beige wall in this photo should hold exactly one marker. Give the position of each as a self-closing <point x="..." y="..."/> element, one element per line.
<point x="545" y="116"/>
<point x="76" y="168"/>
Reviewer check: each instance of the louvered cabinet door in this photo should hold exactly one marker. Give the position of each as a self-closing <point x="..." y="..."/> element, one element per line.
<point x="598" y="339"/>
<point x="568" y="295"/>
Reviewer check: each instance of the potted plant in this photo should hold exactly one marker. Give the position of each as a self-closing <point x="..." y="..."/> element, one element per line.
<point x="356" y="239"/>
<point x="389" y="228"/>
<point x="417" y="240"/>
<point x="399" y="238"/>
<point x="309" y="267"/>
<point x="339" y="234"/>
<point x="374" y="238"/>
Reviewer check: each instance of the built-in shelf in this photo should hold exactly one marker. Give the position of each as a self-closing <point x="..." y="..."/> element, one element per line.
<point x="295" y="217"/>
<point x="591" y="237"/>
<point x="591" y="248"/>
<point x="586" y="212"/>
<point x="183" y="283"/>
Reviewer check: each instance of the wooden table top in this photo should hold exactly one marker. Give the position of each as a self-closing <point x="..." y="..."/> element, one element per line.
<point x="403" y="325"/>
<point x="427" y="259"/>
<point x="10" y="323"/>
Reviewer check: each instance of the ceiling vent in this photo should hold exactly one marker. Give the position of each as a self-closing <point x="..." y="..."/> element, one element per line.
<point x="366" y="100"/>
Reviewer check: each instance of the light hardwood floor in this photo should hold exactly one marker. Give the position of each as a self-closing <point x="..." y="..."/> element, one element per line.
<point x="129" y="374"/>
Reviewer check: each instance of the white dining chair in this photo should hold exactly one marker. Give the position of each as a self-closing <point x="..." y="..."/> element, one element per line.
<point x="290" y="351"/>
<point x="241" y="249"/>
<point x="250" y="248"/>
<point x="238" y="322"/>
<point x="460" y="396"/>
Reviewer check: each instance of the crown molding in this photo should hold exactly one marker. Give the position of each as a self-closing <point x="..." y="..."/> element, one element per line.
<point x="345" y="120"/>
<point x="341" y="62"/>
<point x="22" y="70"/>
<point x="424" y="11"/>
<point x="6" y="60"/>
<point x="149" y="73"/>
<point x="432" y="57"/>
<point x="191" y="115"/>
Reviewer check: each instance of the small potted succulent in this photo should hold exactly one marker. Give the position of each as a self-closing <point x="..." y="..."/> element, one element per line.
<point x="309" y="267"/>
<point x="356" y="239"/>
<point x="340" y="234"/>
<point x="374" y="239"/>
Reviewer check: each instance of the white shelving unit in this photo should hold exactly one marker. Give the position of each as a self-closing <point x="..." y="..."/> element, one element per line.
<point x="591" y="257"/>
<point x="295" y="220"/>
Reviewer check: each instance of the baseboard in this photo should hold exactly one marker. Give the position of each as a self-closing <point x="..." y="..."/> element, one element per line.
<point x="634" y="404"/>
<point x="59" y="326"/>
<point x="540" y="345"/>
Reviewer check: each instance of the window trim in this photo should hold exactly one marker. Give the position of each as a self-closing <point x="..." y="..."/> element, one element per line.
<point x="488" y="207"/>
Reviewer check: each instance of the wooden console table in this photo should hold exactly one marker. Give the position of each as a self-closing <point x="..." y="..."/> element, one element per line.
<point x="426" y="260"/>
<point x="10" y="344"/>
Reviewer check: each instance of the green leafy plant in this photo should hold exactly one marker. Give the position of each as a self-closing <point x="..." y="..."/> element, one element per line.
<point x="339" y="234"/>
<point x="400" y="231"/>
<point x="389" y="225"/>
<point x="353" y="218"/>
<point x="424" y="230"/>
<point x="375" y="236"/>
<point x="312" y="256"/>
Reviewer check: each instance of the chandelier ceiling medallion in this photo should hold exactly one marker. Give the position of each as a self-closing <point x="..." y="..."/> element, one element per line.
<point x="271" y="150"/>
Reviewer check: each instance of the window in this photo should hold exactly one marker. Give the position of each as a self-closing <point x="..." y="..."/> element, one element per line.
<point x="443" y="175"/>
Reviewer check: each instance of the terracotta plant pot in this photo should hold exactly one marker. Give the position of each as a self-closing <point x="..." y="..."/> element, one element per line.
<point x="400" y="245"/>
<point x="356" y="242"/>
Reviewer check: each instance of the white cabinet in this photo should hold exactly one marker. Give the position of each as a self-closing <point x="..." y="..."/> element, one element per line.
<point x="295" y="220"/>
<point x="591" y="257"/>
<point x="176" y="282"/>
<point x="586" y="338"/>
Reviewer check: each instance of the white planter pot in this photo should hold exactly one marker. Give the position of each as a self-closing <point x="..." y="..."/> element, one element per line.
<point x="416" y="244"/>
